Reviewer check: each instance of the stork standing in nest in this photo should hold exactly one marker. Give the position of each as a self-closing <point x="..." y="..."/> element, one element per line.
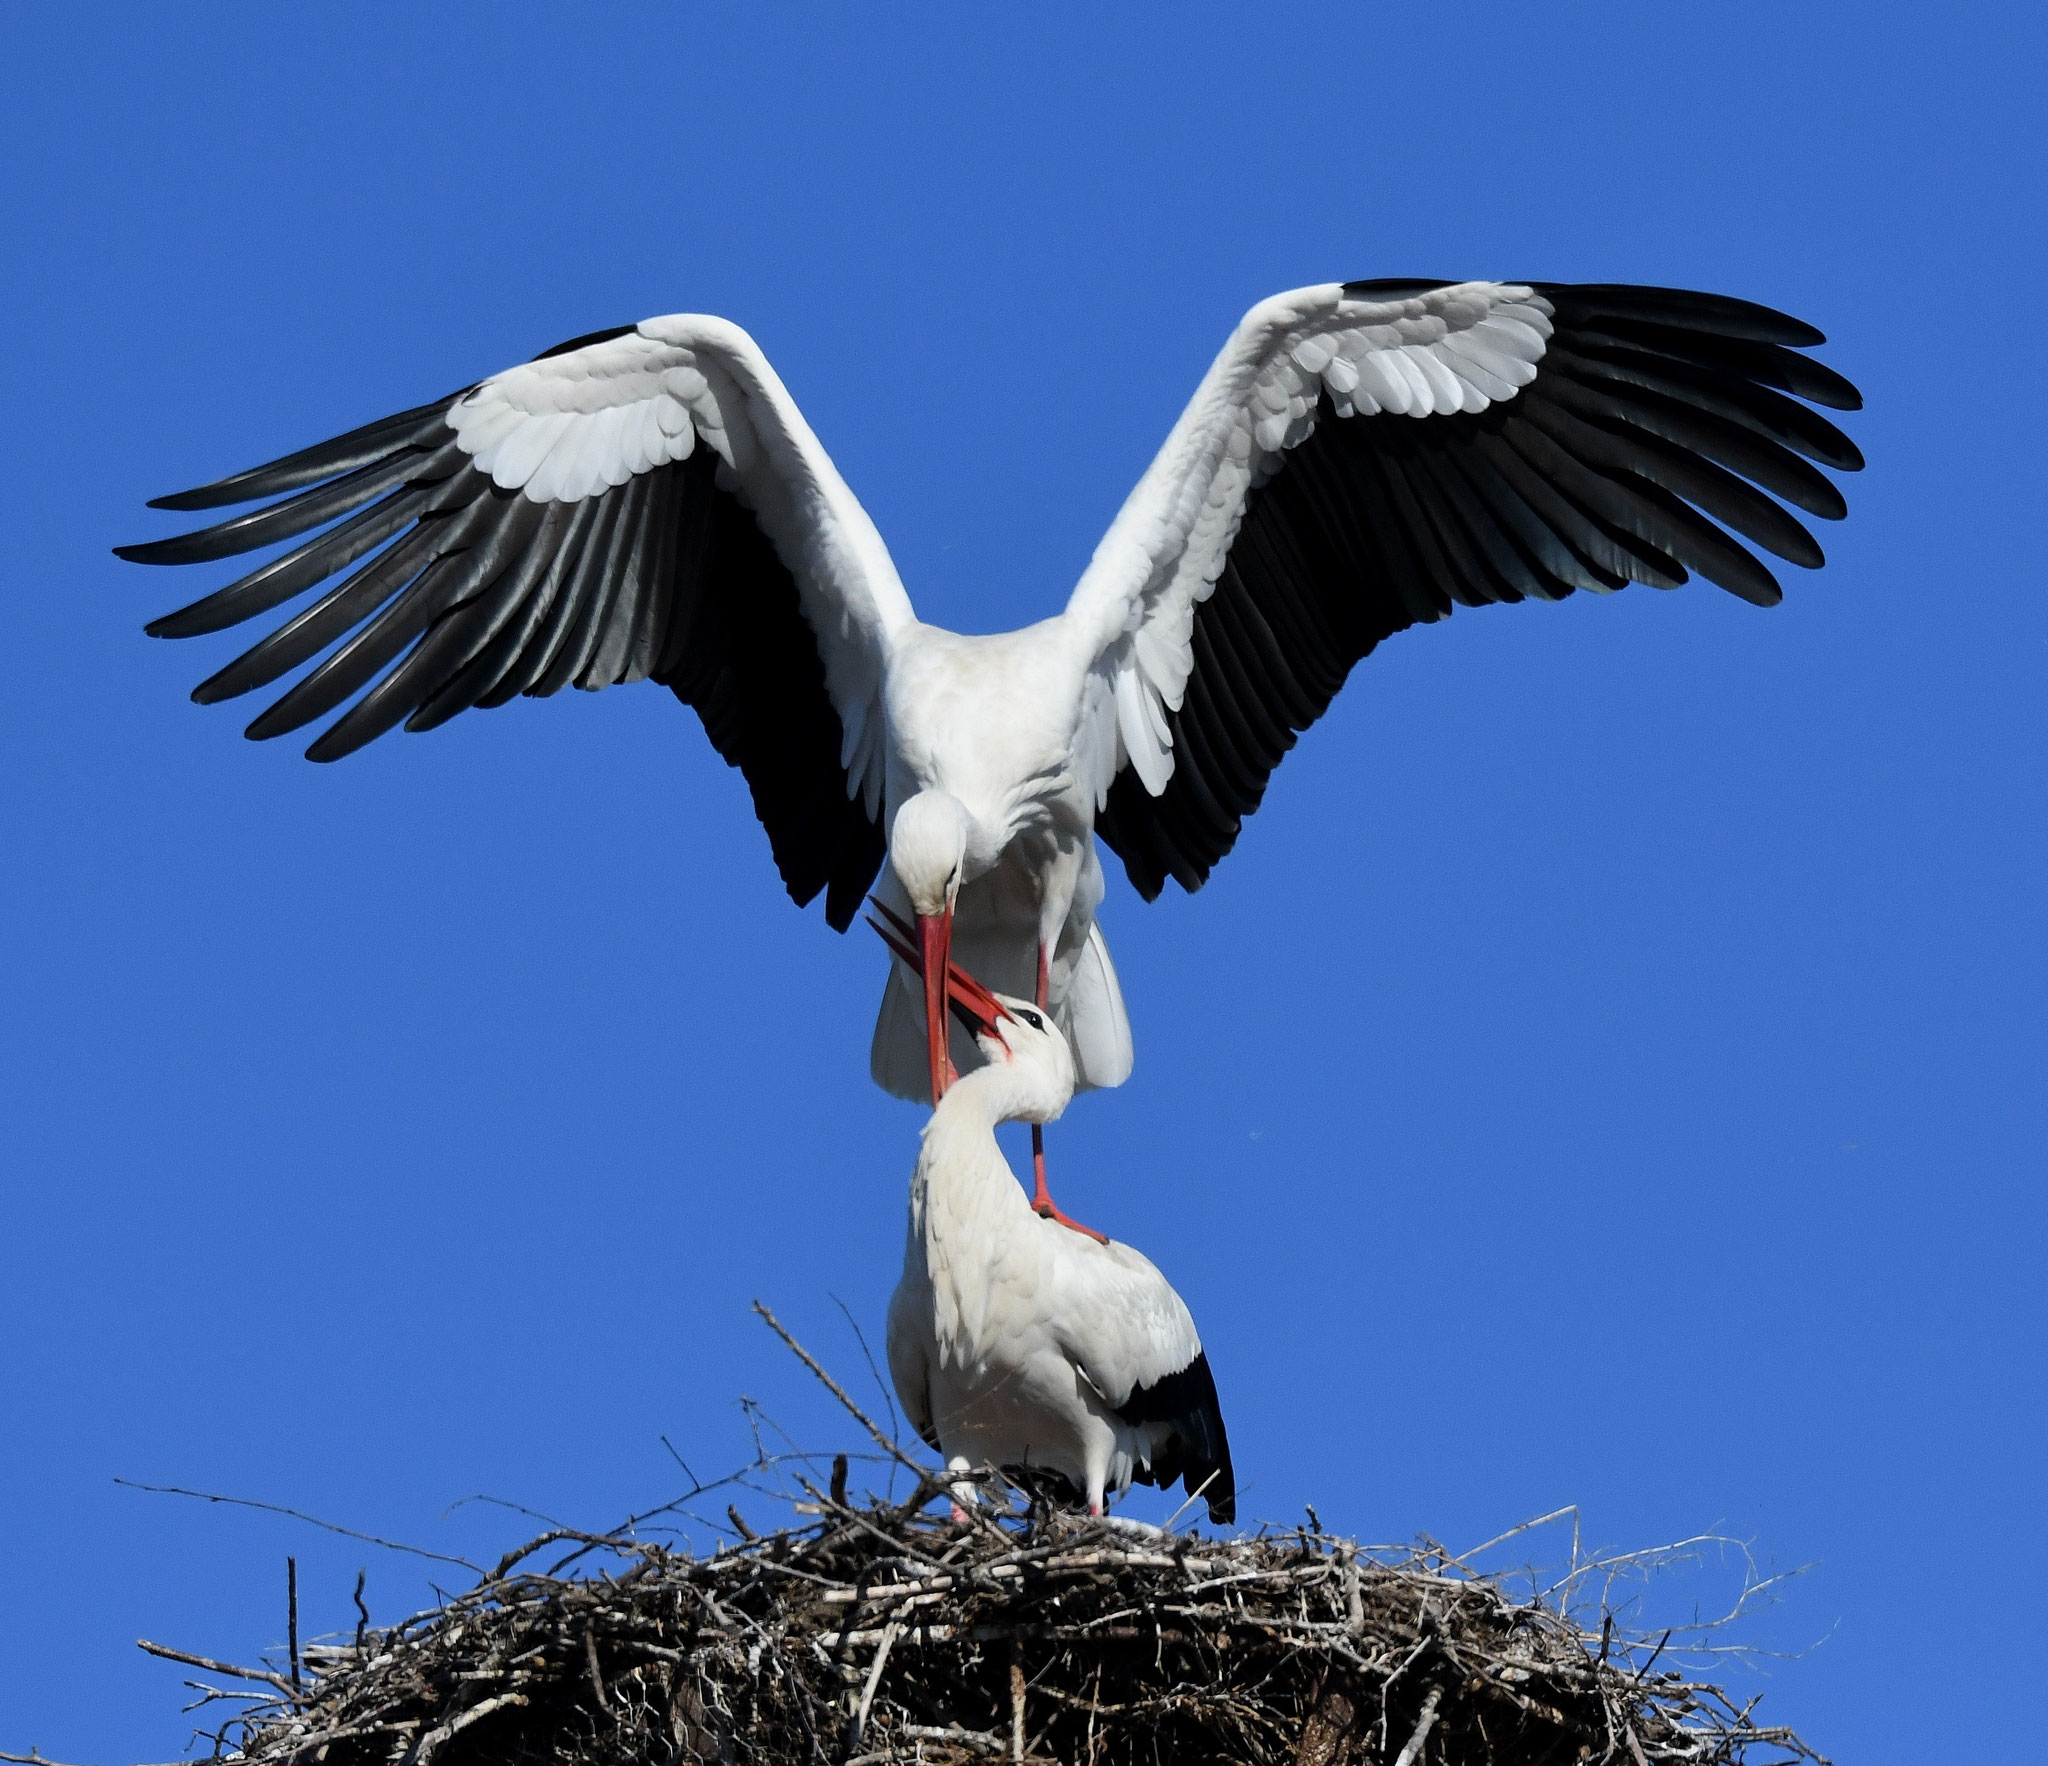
<point x="1016" y="1343"/>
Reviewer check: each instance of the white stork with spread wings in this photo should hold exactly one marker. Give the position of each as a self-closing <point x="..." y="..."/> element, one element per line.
<point x="1015" y="1344"/>
<point x="649" y="503"/>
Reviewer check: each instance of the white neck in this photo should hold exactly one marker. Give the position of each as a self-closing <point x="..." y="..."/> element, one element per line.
<point x="960" y="1163"/>
<point x="1005" y="1090"/>
<point x="966" y="1206"/>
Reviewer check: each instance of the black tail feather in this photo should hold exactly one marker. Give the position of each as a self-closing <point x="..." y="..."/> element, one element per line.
<point x="1197" y="1450"/>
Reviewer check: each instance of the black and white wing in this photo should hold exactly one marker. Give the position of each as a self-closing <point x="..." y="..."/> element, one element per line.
<point x="645" y="503"/>
<point x="1364" y="456"/>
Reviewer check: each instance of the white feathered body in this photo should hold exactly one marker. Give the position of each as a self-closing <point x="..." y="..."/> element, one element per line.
<point x="1013" y="1339"/>
<point x="1001" y="723"/>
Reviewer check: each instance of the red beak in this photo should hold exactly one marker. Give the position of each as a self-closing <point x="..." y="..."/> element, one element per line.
<point x="978" y="1009"/>
<point x="935" y="939"/>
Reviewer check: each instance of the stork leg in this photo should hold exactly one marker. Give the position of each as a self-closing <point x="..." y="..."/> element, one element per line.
<point x="962" y="1493"/>
<point x="1041" y="1197"/>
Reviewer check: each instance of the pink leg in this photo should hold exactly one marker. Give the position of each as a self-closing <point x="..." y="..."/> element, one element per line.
<point x="1041" y="1197"/>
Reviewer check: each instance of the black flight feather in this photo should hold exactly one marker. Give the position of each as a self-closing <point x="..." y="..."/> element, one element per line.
<point x="418" y="427"/>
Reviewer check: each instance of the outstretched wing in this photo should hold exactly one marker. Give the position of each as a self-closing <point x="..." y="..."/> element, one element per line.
<point x="642" y="503"/>
<point x="1558" y="437"/>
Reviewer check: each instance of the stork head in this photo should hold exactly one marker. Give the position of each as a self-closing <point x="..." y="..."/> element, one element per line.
<point x="1022" y="1044"/>
<point x="928" y="847"/>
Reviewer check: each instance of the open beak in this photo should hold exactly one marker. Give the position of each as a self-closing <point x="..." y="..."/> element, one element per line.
<point x="926" y="952"/>
<point x="978" y="1010"/>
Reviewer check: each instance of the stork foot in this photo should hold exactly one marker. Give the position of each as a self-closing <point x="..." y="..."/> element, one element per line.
<point x="1041" y="1197"/>
<point x="1045" y="1205"/>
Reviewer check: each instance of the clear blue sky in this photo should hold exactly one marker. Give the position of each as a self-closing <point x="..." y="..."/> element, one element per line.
<point x="1609" y="1070"/>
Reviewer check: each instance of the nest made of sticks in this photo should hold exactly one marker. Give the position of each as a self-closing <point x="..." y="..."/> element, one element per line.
<point x="872" y="1632"/>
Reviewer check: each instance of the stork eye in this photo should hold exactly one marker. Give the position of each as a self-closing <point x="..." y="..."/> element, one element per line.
<point x="1033" y="1019"/>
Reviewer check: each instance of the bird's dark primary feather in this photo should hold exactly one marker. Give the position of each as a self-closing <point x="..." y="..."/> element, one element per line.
<point x="422" y="426"/>
<point x="1657" y="421"/>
